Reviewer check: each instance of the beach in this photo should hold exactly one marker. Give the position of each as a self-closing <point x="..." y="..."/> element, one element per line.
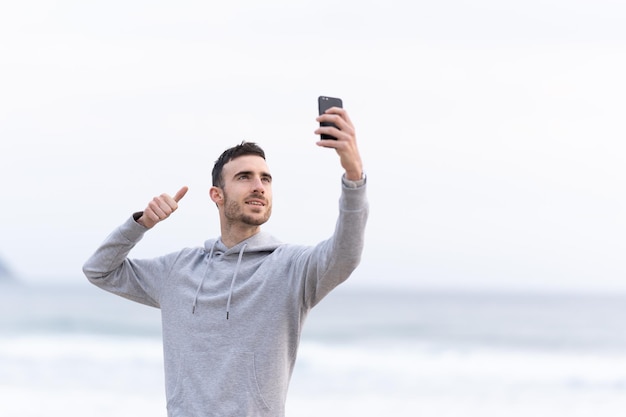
<point x="76" y="350"/>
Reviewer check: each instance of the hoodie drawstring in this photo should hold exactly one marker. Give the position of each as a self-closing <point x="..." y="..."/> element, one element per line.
<point x="232" y="283"/>
<point x="195" y="299"/>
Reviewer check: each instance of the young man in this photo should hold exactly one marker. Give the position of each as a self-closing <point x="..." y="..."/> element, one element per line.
<point x="233" y="310"/>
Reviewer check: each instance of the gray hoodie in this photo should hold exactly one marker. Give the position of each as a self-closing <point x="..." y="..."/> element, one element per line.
<point x="232" y="318"/>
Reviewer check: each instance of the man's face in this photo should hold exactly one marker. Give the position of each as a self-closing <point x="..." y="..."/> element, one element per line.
<point x="247" y="190"/>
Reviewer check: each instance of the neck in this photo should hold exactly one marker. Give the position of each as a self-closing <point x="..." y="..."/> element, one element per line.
<point x="232" y="235"/>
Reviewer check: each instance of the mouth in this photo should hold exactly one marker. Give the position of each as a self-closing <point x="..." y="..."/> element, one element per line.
<point x="256" y="203"/>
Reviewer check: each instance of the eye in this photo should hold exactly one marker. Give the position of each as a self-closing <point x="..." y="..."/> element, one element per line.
<point x="267" y="180"/>
<point x="243" y="177"/>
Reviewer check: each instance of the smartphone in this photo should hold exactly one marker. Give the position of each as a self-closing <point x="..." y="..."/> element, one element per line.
<point x="324" y="103"/>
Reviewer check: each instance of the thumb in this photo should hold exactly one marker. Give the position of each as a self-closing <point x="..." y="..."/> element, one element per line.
<point x="181" y="193"/>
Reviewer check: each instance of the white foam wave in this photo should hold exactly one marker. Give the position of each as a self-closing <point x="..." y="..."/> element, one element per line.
<point x="104" y="376"/>
<point x="409" y="380"/>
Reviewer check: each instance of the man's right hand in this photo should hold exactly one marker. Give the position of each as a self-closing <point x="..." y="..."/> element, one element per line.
<point x="160" y="208"/>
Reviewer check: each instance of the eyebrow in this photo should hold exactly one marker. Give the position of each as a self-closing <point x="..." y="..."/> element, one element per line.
<point x="263" y="174"/>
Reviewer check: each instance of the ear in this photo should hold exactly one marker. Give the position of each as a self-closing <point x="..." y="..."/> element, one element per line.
<point x="216" y="194"/>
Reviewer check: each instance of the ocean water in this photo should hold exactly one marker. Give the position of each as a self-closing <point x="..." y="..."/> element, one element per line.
<point x="78" y="351"/>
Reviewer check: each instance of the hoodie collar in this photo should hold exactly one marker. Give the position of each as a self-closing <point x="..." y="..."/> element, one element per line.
<point x="260" y="242"/>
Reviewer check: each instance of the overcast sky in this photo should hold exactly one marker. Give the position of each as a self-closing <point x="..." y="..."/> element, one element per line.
<point x="492" y="132"/>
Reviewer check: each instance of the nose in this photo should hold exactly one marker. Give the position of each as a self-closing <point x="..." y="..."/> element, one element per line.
<point x="258" y="186"/>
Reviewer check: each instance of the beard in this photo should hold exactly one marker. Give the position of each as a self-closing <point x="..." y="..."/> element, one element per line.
<point x="234" y="212"/>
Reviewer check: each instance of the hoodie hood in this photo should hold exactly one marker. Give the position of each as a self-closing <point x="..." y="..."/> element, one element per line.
<point x="260" y="242"/>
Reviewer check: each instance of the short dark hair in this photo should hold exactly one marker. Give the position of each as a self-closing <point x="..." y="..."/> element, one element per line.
<point x="244" y="148"/>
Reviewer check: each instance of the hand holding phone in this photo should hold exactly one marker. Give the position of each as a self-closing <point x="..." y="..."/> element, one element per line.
<point x="324" y="103"/>
<point x="346" y="148"/>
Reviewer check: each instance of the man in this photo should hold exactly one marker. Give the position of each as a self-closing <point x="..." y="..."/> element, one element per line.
<point x="232" y="311"/>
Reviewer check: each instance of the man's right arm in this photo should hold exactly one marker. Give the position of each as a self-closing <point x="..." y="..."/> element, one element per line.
<point x="110" y="269"/>
<point x="139" y="280"/>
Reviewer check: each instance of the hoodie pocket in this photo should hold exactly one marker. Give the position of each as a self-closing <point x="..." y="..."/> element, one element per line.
<point x="225" y="384"/>
<point x="253" y="381"/>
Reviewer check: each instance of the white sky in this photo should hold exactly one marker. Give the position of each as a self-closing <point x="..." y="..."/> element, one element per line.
<point x="492" y="132"/>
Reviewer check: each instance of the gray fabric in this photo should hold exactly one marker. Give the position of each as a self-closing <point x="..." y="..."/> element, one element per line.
<point x="240" y="363"/>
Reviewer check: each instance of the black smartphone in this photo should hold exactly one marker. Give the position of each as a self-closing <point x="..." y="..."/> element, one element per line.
<point x="324" y="103"/>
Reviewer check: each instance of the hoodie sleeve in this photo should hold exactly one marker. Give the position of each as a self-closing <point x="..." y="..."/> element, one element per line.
<point x="332" y="261"/>
<point x="110" y="269"/>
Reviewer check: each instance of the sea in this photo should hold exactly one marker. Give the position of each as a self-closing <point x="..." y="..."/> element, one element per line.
<point x="75" y="350"/>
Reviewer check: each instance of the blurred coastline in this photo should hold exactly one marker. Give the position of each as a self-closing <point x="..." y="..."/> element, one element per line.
<point x="362" y="350"/>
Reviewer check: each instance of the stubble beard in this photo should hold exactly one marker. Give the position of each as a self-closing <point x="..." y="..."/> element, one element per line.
<point x="233" y="211"/>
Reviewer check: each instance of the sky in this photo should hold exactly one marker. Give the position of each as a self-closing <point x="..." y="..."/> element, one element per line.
<point x="492" y="132"/>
